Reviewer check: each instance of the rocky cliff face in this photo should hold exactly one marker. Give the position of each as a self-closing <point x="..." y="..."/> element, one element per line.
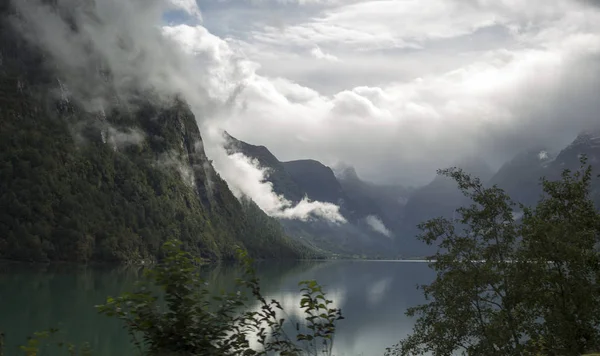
<point x="104" y="175"/>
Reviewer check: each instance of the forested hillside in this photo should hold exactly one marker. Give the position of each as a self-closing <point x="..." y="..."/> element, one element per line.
<point x="110" y="184"/>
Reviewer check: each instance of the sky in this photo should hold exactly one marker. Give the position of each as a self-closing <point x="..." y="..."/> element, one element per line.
<point x="395" y="88"/>
<point x="399" y="88"/>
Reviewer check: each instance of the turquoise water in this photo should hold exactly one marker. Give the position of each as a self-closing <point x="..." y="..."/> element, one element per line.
<point x="373" y="296"/>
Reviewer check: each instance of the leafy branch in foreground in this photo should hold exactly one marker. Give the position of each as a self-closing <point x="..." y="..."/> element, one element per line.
<point x="188" y="320"/>
<point x="508" y="287"/>
<point x="184" y="318"/>
<point x="40" y="339"/>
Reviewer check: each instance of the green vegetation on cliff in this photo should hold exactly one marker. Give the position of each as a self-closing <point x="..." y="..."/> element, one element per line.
<point x="80" y="185"/>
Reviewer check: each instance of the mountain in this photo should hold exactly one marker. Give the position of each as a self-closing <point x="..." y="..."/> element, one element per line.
<point x="108" y="184"/>
<point x="520" y="177"/>
<point x="441" y="196"/>
<point x="315" y="180"/>
<point x="364" y="234"/>
<point x="586" y="143"/>
<point x="283" y="183"/>
<point x="398" y="209"/>
<point x="384" y="201"/>
<point x="295" y="179"/>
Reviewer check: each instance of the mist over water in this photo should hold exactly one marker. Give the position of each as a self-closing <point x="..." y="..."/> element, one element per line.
<point x="373" y="297"/>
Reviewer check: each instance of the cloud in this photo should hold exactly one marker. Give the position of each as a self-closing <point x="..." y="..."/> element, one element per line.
<point x="513" y="77"/>
<point x="418" y="87"/>
<point x="296" y="2"/>
<point x="245" y="178"/>
<point x="172" y="160"/>
<point x="319" y="54"/>
<point x="377" y="225"/>
<point x="170" y="60"/>
<point x="189" y="6"/>
<point x="369" y="25"/>
<point x="217" y="68"/>
<point x="119" y="139"/>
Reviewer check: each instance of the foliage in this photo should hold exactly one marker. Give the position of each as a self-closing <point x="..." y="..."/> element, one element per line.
<point x="187" y="320"/>
<point x="184" y="318"/>
<point x="36" y="343"/>
<point x="110" y="185"/>
<point x="505" y="287"/>
<point x="321" y="317"/>
<point x="564" y="229"/>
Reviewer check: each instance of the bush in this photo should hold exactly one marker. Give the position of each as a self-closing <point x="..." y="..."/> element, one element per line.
<point x="183" y="318"/>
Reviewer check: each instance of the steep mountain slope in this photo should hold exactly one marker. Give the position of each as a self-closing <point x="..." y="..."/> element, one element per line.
<point x="521" y="176"/>
<point x="384" y="201"/>
<point x="317" y="182"/>
<point x="113" y="184"/>
<point x="283" y="183"/>
<point x="586" y="143"/>
<point x="441" y="196"/>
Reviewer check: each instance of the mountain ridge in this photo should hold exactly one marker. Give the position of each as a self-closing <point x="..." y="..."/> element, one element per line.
<point x="82" y="182"/>
<point x="402" y="209"/>
<point x="318" y="182"/>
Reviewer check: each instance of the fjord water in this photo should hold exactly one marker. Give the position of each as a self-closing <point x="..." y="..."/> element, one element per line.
<point x="373" y="296"/>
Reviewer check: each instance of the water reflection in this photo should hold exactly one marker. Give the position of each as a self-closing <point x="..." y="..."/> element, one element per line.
<point x="373" y="297"/>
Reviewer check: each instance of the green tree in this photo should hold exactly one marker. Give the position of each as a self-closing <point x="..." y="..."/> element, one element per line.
<point x="507" y="287"/>
<point x="563" y="229"/>
<point x="187" y="320"/>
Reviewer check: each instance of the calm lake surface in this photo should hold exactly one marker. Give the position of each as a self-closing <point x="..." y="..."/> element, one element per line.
<point x="373" y="296"/>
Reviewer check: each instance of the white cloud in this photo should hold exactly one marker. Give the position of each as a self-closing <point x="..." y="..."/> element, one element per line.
<point x="419" y="125"/>
<point x="298" y="2"/>
<point x="382" y="24"/>
<point x="189" y="6"/>
<point x="319" y="54"/>
<point x="119" y="139"/>
<point x="492" y="101"/>
<point x="245" y="178"/>
<point x="420" y="84"/>
<point x="172" y="160"/>
<point x="218" y="69"/>
<point x="377" y="225"/>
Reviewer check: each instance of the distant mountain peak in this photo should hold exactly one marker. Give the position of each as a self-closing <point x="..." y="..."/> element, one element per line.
<point x="227" y="136"/>
<point x="588" y="137"/>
